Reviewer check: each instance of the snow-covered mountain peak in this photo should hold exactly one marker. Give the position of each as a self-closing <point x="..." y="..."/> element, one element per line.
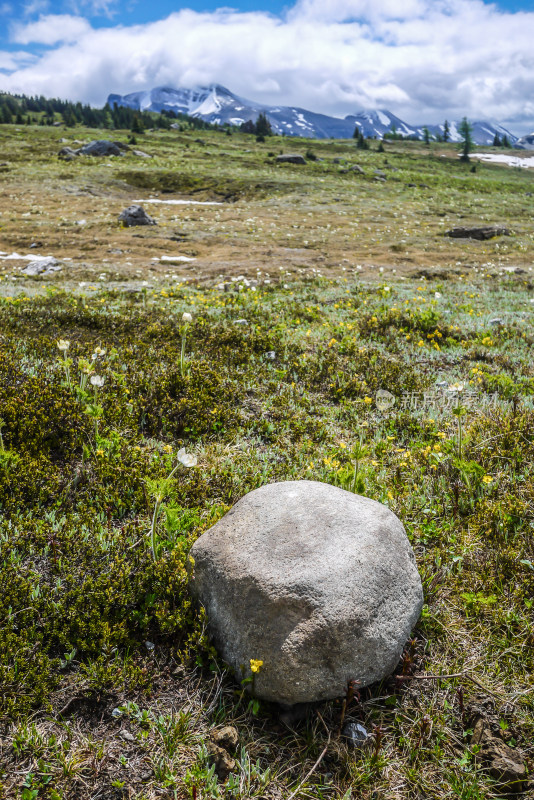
<point x="216" y="104"/>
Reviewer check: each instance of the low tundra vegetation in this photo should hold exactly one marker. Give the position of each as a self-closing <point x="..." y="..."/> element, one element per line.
<point x="130" y="423"/>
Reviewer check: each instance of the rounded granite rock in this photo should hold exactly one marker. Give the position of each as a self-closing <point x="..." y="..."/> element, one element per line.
<point x="318" y="583"/>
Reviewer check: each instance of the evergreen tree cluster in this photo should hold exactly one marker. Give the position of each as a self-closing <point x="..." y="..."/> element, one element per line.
<point x="501" y="141"/>
<point x="23" y="110"/>
<point x="261" y="128"/>
<point x="361" y="141"/>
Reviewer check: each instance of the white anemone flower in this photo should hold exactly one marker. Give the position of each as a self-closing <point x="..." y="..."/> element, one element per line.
<point x="100" y="351"/>
<point x="186" y="317"/>
<point x="97" y="380"/>
<point x="63" y="345"/>
<point x="187" y="459"/>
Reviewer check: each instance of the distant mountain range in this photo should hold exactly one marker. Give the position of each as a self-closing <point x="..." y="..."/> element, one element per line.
<point x="526" y="142"/>
<point x="218" y="105"/>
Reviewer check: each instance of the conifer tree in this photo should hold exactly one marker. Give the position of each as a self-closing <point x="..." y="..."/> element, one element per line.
<point x="465" y="130"/>
<point x="263" y="126"/>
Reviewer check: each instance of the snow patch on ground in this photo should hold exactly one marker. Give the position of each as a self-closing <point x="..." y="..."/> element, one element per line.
<point x="503" y="158"/>
<point x="33" y="257"/>
<point x="173" y="259"/>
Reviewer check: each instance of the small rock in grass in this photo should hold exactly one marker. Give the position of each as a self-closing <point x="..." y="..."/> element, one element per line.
<point x="227" y="738"/>
<point x="135" y="215"/>
<point x="41" y="266"/>
<point x="355" y="734"/>
<point x="290" y="158"/>
<point x="68" y="154"/>
<point x="224" y="763"/>
<point x="504" y="763"/>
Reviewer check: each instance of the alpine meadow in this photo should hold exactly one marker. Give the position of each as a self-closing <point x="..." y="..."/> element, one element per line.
<point x="355" y="315"/>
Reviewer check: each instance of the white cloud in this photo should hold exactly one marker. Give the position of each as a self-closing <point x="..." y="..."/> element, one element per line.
<point x="94" y="8"/>
<point x="51" y="29"/>
<point x="35" y="7"/>
<point x="345" y="10"/>
<point x="424" y="60"/>
<point x="13" y="60"/>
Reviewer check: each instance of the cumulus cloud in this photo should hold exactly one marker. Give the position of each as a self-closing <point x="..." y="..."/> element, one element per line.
<point x="51" y="29"/>
<point x="424" y="60"/>
<point x="13" y="60"/>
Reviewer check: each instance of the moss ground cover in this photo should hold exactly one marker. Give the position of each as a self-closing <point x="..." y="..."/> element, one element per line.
<point x="109" y="684"/>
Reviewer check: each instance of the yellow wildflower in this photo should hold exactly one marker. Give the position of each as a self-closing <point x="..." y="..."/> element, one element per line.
<point x="255" y="664"/>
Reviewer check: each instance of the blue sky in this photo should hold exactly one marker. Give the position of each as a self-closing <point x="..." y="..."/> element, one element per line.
<point x="421" y="59"/>
<point x="103" y="13"/>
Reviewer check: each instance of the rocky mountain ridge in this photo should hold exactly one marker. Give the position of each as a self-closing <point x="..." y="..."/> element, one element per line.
<point x="218" y="105"/>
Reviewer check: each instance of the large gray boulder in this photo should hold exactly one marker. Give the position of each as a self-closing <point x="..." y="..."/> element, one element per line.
<point x="318" y="583"/>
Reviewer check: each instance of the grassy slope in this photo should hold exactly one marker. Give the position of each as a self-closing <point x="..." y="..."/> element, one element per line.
<point x="91" y="623"/>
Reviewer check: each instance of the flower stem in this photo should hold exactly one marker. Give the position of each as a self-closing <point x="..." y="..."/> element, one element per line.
<point x="67" y="369"/>
<point x="182" y="354"/>
<point x="153" y="528"/>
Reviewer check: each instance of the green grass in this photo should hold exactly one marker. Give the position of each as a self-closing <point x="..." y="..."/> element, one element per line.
<point x="109" y="683"/>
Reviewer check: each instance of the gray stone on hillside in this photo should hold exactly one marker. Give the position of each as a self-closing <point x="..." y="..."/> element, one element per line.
<point x="358" y="169"/>
<point x="318" y="583"/>
<point x="290" y="158"/>
<point x="102" y="147"/>
<point x="481" y="233"/>
<point x="41" y="266"/>
<point x="68" y="154"/>
<point x="135" y="215"/>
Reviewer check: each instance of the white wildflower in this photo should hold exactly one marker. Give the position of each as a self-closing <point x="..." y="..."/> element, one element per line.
<point x="187" y="459"/>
